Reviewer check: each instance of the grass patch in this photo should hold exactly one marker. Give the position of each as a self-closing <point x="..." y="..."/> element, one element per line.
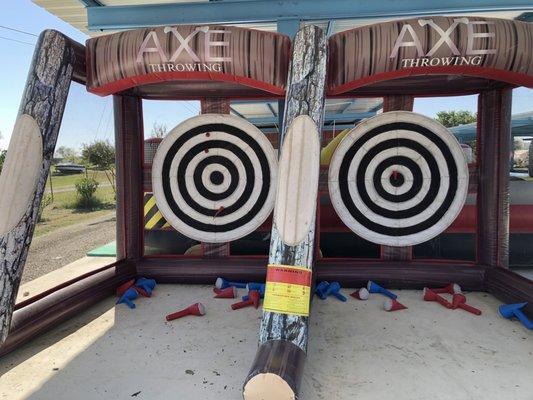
<point x="56" y="218"/>
<point x="105" y="199"/>
<point x="61" y="181"/>
<point x="64" y="210"/>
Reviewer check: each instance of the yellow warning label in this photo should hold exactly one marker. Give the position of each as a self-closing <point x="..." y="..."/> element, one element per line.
<point x="287" y="290"/>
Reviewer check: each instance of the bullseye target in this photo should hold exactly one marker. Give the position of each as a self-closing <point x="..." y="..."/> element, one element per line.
<point x="398" y="179"/>
<point x="214" y="178"/>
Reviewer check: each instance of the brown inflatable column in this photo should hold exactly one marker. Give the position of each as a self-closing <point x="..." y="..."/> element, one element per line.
<point x="397" y="103"/>
<point x="215" y="106"/>
<point x="494" y="131"/>
<point x="129" y="138"/>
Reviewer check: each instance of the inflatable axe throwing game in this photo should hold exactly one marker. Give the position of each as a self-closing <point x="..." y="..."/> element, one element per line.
<point x="199" y="203"/>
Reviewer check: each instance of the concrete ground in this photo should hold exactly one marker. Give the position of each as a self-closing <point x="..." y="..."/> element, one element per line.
<point x="356" y="351"/>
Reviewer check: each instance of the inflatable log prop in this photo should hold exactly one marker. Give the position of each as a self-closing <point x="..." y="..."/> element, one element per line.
<point x="28" y="159"/>
<point x="277" y="370"/>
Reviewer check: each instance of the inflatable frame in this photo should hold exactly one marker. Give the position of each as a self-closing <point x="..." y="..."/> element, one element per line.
<point x="398" y="61"/>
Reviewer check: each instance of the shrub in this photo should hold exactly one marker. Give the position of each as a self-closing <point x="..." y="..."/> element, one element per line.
<point x="86" y="188"/>
<point x="2" y="158"/>
<point x="45" y="202"/>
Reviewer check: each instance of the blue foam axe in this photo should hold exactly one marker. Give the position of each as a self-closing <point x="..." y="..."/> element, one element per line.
<point x="334" y="290"/>
<point x="373" y="287"/>
<point x="128" y="297"/>
<point x="255" y="286"/>
<point x="222" y="283"/>
<point x="321" y="289"/>
<point x="515" y="310"/>
<point x="147" y="285"/>
<point x="258" y="287"/>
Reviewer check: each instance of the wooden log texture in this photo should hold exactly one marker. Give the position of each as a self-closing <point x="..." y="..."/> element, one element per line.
<point x="39" y="119"/>
<point x="283" y="338"/>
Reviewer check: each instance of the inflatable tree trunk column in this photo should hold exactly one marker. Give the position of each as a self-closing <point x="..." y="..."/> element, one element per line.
<point x="28" y="159"/>
<point x="277" y="370"/>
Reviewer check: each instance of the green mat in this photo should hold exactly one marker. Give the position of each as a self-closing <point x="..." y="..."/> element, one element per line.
<point x="107" y="250"/>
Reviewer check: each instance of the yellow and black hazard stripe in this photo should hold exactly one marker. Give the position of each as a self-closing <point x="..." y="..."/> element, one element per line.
<point x="153" y="219"/>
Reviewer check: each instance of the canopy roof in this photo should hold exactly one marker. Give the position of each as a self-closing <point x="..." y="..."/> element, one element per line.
<point x="521" y="125"/>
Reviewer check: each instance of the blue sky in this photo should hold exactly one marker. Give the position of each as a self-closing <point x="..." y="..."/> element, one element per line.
<point x="88" y="117"/>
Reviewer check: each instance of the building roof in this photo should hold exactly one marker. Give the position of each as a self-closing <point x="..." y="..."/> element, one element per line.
<point x="75" y="12"/>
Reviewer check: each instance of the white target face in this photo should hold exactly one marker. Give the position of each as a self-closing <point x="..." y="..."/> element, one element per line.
<point x="398" y="179"/>
<point x="214" y="178"/>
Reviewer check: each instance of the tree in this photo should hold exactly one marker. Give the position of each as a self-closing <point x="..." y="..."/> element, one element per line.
<point x="519" y="144"/>
<point x="2" y="158"/>
<point x="454" y="118"/>
<point x="100" y="155"/>
<point x="159" y="130"/>
<point x="2" y="155"/>
<point x="67" y="153"/>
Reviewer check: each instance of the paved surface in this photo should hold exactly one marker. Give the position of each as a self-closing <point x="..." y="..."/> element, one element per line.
<point x="356" y="351"/>
<point x="65" y="245"/>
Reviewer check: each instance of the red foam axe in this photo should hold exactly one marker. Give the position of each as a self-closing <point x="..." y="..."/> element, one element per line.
<point x="459" y="301"/>
<point x="197" y="309"/>
<point x="253" y="300"/>
<point x="430" y="295"/>
<point x="393" y="305"/>
<point x="452" y="288"/>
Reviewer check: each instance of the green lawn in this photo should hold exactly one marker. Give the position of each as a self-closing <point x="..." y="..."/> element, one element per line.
<point x="69" y="180"/>
<point x="68" y="199"/>
<point x="62" y="211"/>
<point x="55" y="218"/>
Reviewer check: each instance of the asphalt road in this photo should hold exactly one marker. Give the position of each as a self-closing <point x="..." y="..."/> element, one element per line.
<point x="63" y="246"/>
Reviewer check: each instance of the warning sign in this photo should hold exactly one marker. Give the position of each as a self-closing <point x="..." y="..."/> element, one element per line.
<point x="288" y="290"/>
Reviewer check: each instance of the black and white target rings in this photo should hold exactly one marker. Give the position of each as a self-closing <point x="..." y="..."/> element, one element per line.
<point x="398" y="179"/>
<point x="214" y="178"/>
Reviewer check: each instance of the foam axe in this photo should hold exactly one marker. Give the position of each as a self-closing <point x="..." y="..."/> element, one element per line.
<point x="430" y="295"/>
<point x="125" y="286"/>
<point x="515" y="310"/>
<point x="373" y="287"/>
<point x="360" y="294"/>
<point x="393" y="305"/>
<point x="334" y="290"/>
<point x="260" y="288"/>
<point x="145" y="286"/>
<point x="228" y="293"/>
<point x="197" y="309"/>
<point x="254" y="298"/>
<point x="128" y="296"/>
<point x="452" y="288"/>
<point x="255" y="286"/>
<point x="321" y="288"/>
<point x="222" y="283"/>
<point x="459" y="301"/>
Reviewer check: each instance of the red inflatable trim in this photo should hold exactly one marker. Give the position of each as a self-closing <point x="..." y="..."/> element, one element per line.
<point x="514" y="78"/>
<point x="160" y="77"/>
